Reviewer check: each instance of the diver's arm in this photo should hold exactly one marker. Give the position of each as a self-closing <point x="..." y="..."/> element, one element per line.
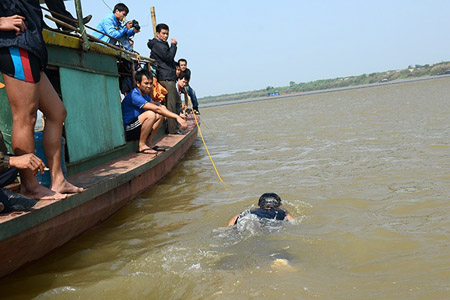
<point x="233" y="220"/>
<point x="288" y="217"/>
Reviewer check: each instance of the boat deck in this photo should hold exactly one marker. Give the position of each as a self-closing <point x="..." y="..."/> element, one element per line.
<point x="99" y="180"/>
<point x="28" y="236"/>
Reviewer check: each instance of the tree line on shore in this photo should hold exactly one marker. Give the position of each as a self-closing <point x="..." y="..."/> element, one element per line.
<point x="324" y="84"/>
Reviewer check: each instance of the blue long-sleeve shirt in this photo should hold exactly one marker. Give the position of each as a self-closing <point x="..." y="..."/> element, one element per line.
<point x="111" y="25"/>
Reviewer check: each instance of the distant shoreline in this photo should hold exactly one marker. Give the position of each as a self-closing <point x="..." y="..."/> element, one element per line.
<point x="356" y="87"/>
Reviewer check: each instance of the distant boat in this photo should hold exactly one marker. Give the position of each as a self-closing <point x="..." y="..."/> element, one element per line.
<point x="97" y="156"/>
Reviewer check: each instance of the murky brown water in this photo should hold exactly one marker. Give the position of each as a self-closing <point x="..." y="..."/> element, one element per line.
<point x="365" y="173"/>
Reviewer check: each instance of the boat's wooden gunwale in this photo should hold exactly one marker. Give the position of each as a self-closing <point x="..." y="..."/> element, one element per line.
<point x="31" y="235"/>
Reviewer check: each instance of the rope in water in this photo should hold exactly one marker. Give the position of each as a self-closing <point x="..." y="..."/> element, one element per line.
<point x="201" y="135"/>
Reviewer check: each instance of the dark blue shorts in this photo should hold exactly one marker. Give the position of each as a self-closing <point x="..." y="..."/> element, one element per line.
<point x="133" y="130"/>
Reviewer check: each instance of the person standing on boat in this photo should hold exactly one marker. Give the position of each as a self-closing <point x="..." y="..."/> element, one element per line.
<point x="142" y="117"/>
<point x="166" y="71"/>
<point x="23" y="57"/>
<point x="182" y="65"/>
<point x="112" y="25"/>
<point x="269" y="208"/>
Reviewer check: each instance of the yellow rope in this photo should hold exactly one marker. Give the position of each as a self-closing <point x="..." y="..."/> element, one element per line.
<point x="201" y="135"/>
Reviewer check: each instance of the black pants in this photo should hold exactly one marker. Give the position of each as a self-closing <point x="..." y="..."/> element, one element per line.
<point x="12" y="201"/>
<point x="58" y="7"/>
<point x="173" y="103"/>
<point x="8" y="177"/>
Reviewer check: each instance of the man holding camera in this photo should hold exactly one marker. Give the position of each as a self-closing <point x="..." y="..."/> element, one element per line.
<point x="112" y="25"/>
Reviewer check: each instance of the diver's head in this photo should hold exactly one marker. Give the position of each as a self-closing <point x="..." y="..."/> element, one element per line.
<point x="269" y="200"/>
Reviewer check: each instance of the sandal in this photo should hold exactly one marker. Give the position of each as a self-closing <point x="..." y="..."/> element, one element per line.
<point x="158" y="148"/>
<point x="147" y="151"/>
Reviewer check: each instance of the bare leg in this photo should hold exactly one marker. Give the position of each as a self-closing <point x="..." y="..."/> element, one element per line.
<point x="147" y="120"/>
<point x="55" y="113"/>
<point x="156" y="125"/>
<point x="23" y="99"/>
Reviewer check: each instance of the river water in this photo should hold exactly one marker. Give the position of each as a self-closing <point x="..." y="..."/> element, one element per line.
<point x="365" y="174"/>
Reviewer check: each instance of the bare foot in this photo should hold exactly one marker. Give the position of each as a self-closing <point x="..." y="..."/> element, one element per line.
<point x="66" y="188"/>
<point x="41" y="193"/>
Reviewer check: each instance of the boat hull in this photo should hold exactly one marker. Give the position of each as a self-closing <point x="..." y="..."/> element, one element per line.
<point x="30" y="236"/>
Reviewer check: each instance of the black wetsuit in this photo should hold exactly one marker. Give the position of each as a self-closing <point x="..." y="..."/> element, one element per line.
<point x="271" y="214"/>
<point x="275" y="214"/>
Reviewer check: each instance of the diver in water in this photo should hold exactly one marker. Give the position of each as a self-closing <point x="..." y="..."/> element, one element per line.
<point x="269" y="208"/>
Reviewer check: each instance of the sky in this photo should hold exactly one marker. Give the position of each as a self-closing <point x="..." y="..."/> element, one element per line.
<point x="235" y="46"/>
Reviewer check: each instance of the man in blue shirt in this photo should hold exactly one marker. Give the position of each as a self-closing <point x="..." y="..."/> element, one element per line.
<point x="112" y="25"/>
<point x="142" y="117"/>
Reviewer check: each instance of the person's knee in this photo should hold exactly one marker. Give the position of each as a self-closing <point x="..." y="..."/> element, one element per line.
<point x="147" y="118"/>
<point x="63" y="113"/>
<point x="25" y="118"/>
<point x="59" y="114"/>
<point x="148" y="115"/>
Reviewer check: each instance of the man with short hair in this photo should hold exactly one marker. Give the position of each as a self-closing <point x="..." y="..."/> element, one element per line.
<point x="182" y="81"/>
<point x="142" y="117"/>
<point x="166" y="71"/>
<point x="182" y="64"/>
<point x="112" y="25"/>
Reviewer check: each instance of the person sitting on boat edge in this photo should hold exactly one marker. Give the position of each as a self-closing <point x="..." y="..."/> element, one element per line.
<point x="10" y="201"/>
<point x="269" y="208"/>
<point x="142" y="117"/>
<point x="112" y="25"/>
<point x="182" y="66"/>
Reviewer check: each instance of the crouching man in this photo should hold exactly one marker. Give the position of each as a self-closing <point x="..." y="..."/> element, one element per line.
<point x="9" y="165"/>
<point x="142" y="117"/>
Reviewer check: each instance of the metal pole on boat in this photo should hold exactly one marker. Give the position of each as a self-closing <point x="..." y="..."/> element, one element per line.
<point x="81" y="25"/>
<point x="152" y="10"/>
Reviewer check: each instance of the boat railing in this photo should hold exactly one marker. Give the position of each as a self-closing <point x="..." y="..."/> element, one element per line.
<point x="86" y="38"/>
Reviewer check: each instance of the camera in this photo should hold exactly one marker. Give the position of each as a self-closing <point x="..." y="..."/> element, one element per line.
<point x="135" y="24"/>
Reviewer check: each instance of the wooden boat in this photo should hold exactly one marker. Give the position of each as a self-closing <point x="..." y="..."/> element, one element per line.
<point x="97" y="156"/>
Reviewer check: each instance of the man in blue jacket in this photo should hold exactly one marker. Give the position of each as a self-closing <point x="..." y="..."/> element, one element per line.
<point x="112" y="25"/>
<point x="166" y="72"/>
